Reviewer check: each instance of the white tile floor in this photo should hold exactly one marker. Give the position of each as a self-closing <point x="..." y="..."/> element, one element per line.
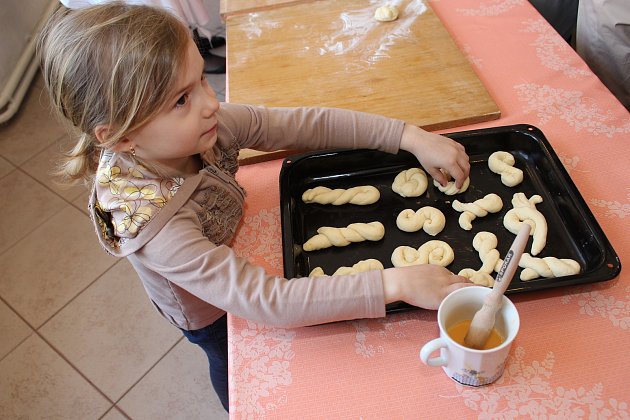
<point x="79" y="339"/>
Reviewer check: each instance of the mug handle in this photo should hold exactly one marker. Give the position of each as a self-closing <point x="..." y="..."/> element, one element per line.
<point x="429" y="348"/>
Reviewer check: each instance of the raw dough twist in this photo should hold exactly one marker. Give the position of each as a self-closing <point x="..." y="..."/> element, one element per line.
<point x="485" y="243"/>
<point x="361" y="195"/>
<point x="355" y="232"/>
<point x="525" y="211"/>
<point x="428" y="218"/>
<point x="450" y="188"/>
<point x="363" y="265"/>
<point x="502" y="163"/>
<point x="547" y="267"/>
<point x="411" y="183"/>
<point x="491" y="203"/>
<point x="317" y="272"/>
<point x="431" y="252"/>
<point x="478" y="277"/>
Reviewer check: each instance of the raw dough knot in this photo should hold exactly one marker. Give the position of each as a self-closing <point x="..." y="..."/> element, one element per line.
<point x="431" y="252"/>
<point x="478" y="277"/>
<point x="525" y="211"/>
<point x="361" y="195"/>
<point x="428" y="218"/>
<point x="363" y="265"/>
<point x="450" y="188"/>
<point x="411" y="183"/>
<point x="491" y="203"/>
<point x="354" y="232"/>
<point x="547" y="267"/>
<point x="502" y="163"/>
<point x="485" y="243"/>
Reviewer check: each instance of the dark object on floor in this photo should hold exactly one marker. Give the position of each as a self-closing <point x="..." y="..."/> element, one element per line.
<point x="213" y="64"/>
<point x="206" y="45"/>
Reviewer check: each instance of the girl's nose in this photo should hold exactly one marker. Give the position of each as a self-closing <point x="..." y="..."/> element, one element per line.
<point x="211" y="104"/>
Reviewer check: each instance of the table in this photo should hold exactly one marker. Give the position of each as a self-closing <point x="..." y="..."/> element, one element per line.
<point x="572" y="356"/>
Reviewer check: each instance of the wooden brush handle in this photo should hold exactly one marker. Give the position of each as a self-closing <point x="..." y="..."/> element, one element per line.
<point x="510" y="262"/>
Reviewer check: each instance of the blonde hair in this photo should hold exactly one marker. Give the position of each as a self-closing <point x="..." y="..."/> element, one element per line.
<point x="113" y="65"/>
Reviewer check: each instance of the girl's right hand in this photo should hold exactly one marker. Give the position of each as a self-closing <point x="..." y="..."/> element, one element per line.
<point x="424" y="285"/>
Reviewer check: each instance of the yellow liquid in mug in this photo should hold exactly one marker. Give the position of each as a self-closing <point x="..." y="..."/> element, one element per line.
<point x="458" y="331"/>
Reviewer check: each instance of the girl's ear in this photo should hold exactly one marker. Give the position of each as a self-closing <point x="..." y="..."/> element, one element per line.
<point x="101" y="132"/>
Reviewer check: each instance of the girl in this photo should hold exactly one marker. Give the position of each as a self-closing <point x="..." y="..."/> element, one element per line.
<point x="161" y="155"/>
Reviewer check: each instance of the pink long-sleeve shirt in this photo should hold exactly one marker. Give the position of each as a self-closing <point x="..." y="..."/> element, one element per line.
<point x="176" y="232"/>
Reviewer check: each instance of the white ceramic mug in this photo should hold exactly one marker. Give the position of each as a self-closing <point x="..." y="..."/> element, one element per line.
<point x="465" y="365"/>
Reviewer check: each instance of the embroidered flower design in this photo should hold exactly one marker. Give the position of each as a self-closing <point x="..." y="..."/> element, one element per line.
<point x="134" y="218"/>
<point x="137" y="171"/>
<point x="495" y="8"/>
<point x="110" y="176"/>
<point x="134" y="192"/>
<point x="174" y="185"/>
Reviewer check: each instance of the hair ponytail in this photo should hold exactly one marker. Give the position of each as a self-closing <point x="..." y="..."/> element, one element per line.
<point x="79" y="163"/>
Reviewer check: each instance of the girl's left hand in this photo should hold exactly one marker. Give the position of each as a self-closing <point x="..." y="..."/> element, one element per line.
<point x="436" y="152"/>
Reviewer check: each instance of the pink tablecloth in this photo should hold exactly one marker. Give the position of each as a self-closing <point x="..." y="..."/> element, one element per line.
<point x="572" y="356"/>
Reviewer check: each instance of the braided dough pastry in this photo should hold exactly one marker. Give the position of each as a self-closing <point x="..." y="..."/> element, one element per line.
<point x="354" y="232"/>
<point x="363" y="265"/>
<point x="362" y="195"/>
<point x="485" y="243"/>
<point x="411" y="183"/>
<point x="547" y="267"/>
<point x="428" y="218"/>
<point x="525" y="211"/>
<point x="450" y="188"/>
<point x="478" y="277"/>
<point x="502" y="163"/>
<point x="491" y="203"/>
<point x="431" y="252"/>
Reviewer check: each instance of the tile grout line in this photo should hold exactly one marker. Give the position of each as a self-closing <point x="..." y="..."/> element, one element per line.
<point x="54" y="213"/>
<point x="144" y="375"/>
<point x="23" y="320"/>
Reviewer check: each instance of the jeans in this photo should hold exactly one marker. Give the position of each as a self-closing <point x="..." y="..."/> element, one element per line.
<point x="213" y="341"/>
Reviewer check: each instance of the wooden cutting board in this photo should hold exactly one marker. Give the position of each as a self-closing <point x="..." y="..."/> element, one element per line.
<point x="230" y="7"/>
<point x="335" y="54"/>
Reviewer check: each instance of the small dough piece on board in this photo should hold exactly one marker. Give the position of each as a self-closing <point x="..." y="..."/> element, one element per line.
<point x="386" y="13"/>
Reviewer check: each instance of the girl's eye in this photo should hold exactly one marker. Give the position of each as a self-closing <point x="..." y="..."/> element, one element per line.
<point x="182" y="100"/>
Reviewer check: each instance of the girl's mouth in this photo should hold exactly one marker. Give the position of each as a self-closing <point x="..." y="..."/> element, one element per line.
<point x="211" y="130"/>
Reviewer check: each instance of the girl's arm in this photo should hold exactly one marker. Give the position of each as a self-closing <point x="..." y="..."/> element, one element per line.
<point x="269" y="129"/>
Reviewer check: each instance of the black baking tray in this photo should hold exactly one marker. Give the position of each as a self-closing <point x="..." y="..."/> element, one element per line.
<point x="573" y="230"/>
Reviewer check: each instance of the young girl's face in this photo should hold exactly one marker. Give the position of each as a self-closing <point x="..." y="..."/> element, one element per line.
<point x="186" y="126"/>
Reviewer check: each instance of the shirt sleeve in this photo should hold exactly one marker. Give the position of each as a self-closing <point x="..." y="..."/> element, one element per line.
<point x="215" y="274"/>
<point x="309" y="128"/>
